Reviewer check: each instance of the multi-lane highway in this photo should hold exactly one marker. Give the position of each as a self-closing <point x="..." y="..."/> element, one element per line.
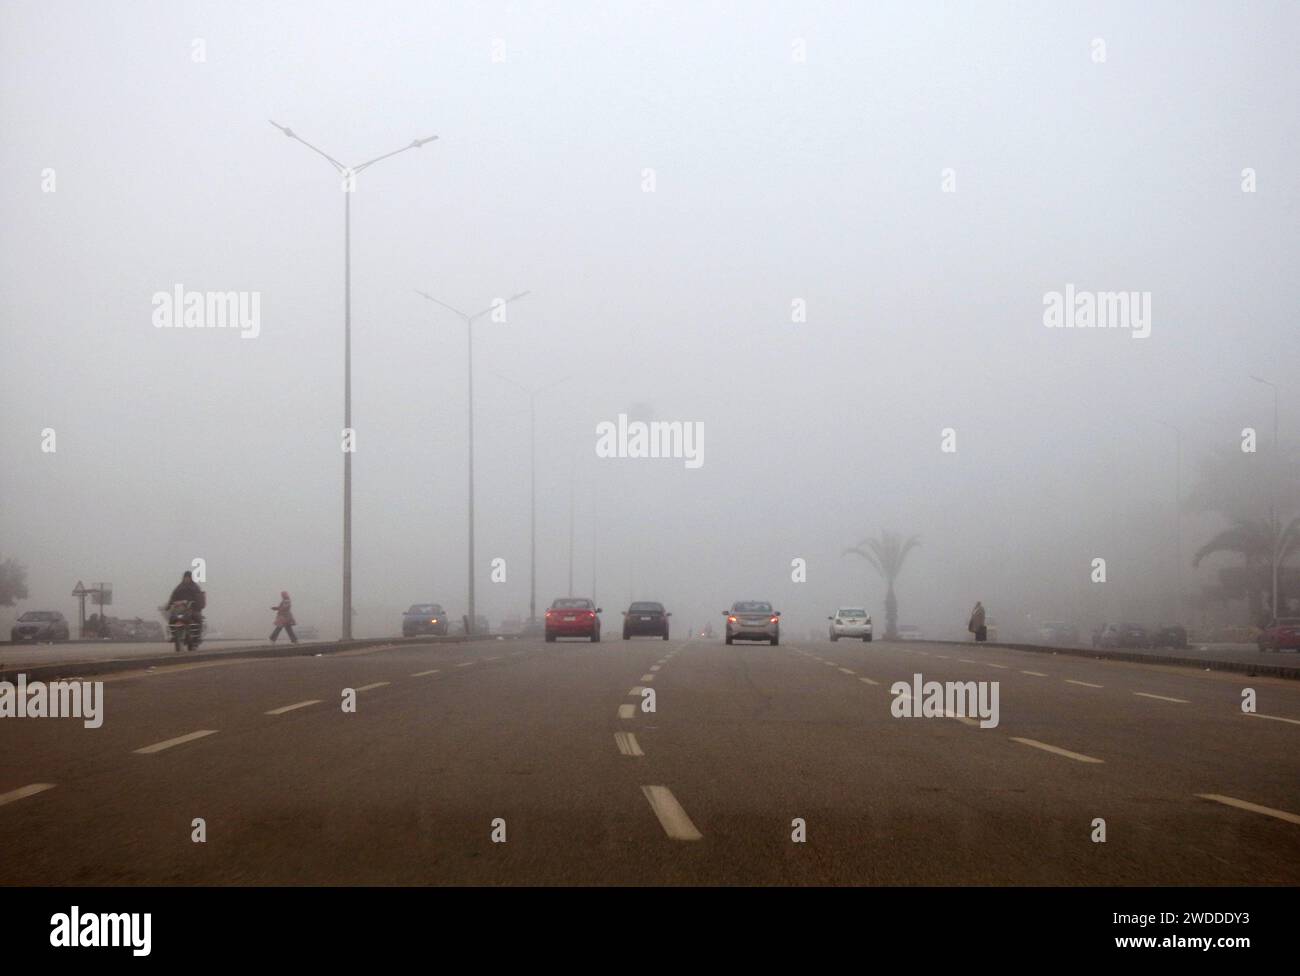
<point x="521" y="762"/>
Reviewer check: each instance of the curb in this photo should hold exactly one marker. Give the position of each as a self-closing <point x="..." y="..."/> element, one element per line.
<point x="43" y="672"/>
<point x="1249" y="668"/>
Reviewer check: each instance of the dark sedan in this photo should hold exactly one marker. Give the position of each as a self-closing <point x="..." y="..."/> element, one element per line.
<point x="645" y="619"/>
<point x="424" y="618"/>
<point x="40" y="625"/>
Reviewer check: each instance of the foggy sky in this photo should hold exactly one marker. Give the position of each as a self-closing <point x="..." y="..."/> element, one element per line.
<point x="776" y="180"/>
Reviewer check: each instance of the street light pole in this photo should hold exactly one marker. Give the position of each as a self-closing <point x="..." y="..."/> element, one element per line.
<point x="469" y="319"/>
<point x="532" y="484"/>
<point x="349" y="174"/>
<point x="1274" y="527"/>
<point x="1178" y="509"/>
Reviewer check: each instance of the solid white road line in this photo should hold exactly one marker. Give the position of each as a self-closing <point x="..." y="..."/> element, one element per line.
<point x="1143" y="694"/>
<point x="627" y="744"/>
<point x="1036" y="674"/>
<point x="290" y="708"/>
<point x="848" y="671"/>
<point x="1275" y="718"/>
<point x="1086" y="684"/>
<point x="377" y="684"/>
<point x="627" y="711"/>
<point x="421" y="674"/>
<point x="672" y="817"/>
<point x="1232" y="801"/>
<point x="179" y="740"/>
<point x="24" y="791"/>
<point x="1054" y="749"/>
<point x="868" y="681"/>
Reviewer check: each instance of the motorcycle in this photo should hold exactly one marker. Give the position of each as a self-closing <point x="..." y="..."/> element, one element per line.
<point x="184" y="626"/>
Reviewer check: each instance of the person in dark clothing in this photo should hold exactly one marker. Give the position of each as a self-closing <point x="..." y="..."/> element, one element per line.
<point x="189" y="590"/>
<point x="284" y="618"/>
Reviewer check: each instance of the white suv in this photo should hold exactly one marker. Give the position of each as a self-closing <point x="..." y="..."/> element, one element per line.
<point x="850" y="622"/>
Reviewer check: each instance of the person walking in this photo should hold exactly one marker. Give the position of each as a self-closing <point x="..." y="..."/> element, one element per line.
<point x="976" y="625"/>
<point x="284" y="618"/>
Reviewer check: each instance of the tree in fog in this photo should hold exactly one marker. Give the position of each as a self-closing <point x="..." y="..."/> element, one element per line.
<point x="13" y="583"/>
<point x="1255" y="541"/>
<point x="887" y="554"/>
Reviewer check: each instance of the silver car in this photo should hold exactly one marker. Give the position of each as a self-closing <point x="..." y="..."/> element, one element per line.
<point x="753" y="620"/>
<point x="850" y="622"/>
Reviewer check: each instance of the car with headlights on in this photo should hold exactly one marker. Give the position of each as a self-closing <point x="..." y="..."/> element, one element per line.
<point x="645" y="618"/>
<point x="424" y="618"/>
<point x="851" y="622"/>
<point x="753" y="620"/>
<point x="573" y="617"/>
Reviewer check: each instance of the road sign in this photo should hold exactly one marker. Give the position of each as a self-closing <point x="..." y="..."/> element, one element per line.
<point x="80" y="589"/>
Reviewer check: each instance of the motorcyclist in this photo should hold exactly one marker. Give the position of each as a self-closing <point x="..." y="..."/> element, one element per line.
<point x="189" y="590"/>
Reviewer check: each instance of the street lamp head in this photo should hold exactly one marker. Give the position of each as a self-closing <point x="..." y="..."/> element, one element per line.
<point x="283" y="128"/>
<point x="420" y="142"/>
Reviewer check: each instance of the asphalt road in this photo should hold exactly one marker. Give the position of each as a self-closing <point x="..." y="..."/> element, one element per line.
<point x="551" y="740"/>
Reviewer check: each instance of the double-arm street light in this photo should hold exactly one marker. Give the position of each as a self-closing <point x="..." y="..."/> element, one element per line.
<point x="349" y="174"/>
<point x="469" y="318"/>
<point x="1274" y="526"/>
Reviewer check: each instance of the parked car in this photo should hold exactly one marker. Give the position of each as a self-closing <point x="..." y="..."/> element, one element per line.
<point x="1170" y="636"/>
<point x="753" y="620"/>
<point x="852" y="622"/>
<point x="1059" y="634"/>
<point x="424" y="618"/>
<point x="1122" y="635"/>
<point x="645" y="618"/>
<point x="573" y="617"/>
<point x="1282" y="632"/>
<point x="40" y="625"/>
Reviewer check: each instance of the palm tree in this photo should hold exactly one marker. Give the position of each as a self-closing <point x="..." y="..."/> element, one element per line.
<point x="1256" y="541"/>
<point x="887" y="554"/>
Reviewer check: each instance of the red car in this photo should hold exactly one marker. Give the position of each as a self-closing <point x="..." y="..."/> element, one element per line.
<point x="1281" y="633"/>
<point x="573" y="617"/>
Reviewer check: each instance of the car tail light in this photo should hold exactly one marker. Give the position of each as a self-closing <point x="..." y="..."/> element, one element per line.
<point x="591" y="613"/>
<point x="731" y="620"/>
<point x="773" y="620"/>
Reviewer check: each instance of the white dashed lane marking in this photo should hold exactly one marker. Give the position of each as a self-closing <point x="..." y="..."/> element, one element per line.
<point x="1180" y="701"/>
<point x="672" y="817"/>
<point x="1275" y="718"/>
<point x="868" y="681"/>
<point x="1036" y="674"/>
<point x="1232" y="801"/>
<point x="376" y="684"/>
<point x="179" y="740"/>
<point x="627" y="711"/>
<point x="848" y="671"/>
<point x="24" y="791"/>
<point x="1086" y="684"/>
<point x="647" y="677"/>
<point x="627" y="744"/>
<point x="421" y="674"/>
<point x="1056" y="750"/>
<point x="293" y="707"/>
